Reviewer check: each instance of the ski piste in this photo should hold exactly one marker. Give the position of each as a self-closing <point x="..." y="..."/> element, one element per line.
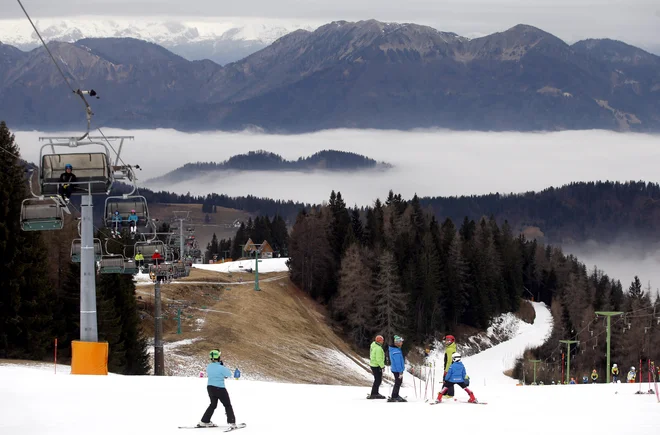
<point x="460" y="401"/>
<point x="225" y="427"/>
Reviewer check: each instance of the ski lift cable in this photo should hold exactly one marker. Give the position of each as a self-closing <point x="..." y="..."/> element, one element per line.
<point x="79" y="92"/>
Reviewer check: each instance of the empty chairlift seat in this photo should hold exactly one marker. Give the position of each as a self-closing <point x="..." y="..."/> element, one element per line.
<point x="76" y="249"/>
<point x="124" y="207"/>
<point x="112" y="264"/>
<point x="41" y="215"/>
<point x="91" y="170"/>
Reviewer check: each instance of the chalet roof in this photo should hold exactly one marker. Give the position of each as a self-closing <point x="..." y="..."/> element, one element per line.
<point x="265" y="247"/>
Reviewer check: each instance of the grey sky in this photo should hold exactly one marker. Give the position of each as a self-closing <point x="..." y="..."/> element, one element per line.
<point x="633" y="21"/>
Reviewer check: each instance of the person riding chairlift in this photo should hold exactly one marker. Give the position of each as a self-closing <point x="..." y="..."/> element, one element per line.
<point x="156" y="257"/>
<point x="133" y="220"/>
<point x="65" y="189"/>
<point x="116" y="223"/>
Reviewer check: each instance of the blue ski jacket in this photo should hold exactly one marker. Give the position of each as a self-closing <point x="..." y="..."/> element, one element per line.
<point x="396" y="359"/>
<point x="456" y="373"/>
<point x="217" y="373"/>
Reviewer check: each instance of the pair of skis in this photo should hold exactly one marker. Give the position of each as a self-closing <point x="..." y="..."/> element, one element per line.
<point x="226" y="428"/>
<point x="64" y="205"/>
<point x="460" y="401"/>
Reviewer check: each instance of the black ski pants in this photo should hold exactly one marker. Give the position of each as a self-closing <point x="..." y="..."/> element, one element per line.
<point x="449" y="386"/>
<point x="215" y="394"/>
<point x="398" y="380"/>
<point x="378" y="378"/>
<point x="65" y="191"/>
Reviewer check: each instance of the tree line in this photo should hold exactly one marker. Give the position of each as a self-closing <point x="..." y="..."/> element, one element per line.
<point x="40" y="297"/>
<point x="394" y="268"/>
<point x="635" y="334"/>
<point x="261" y="228"/>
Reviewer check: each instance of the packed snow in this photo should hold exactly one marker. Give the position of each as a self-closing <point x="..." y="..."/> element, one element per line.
<point x="35" y="401"/>
<point x="493" y="362"/>
<point x="266" y="265"/>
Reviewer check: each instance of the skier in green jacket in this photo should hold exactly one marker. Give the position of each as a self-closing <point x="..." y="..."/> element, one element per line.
<point x="377" y="363"/>
<point x="450" y="349"/>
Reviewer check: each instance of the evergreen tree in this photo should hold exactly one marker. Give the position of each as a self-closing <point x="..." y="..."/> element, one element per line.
<point x="635" y="289"/>
<point x="240" y="240"/>
<point x="391" y="303"/>
<point x="27" y="296"/>
<point x="356" y="225"/>
<point x="354" y="299"/>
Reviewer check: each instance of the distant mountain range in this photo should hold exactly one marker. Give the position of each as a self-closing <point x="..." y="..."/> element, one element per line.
<point x="326" y="160"/>
<point x="366" y="74"/>
<point x="220" y="40"/>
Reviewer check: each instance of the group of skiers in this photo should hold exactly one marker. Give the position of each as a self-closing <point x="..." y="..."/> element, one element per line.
<point x="454" y="371"/>
<point x="632" y="376"/>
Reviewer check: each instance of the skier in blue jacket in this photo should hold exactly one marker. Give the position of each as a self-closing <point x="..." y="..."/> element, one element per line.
<point x="456" y="376"/>
<point x="398" y="366"/>
<point x="216" y="373"/>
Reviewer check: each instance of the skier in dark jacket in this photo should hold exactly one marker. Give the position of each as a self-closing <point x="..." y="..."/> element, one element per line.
<point x="65" y="189"/>
<point x="456" y="376"/>
<point x="397" y="366"/>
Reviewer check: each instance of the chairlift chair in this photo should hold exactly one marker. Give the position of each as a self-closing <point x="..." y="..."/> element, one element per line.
<point x="148" y="249"/>
<point x="124" y="205"/>
<point x="92" y="172"/>
<point x="112" y="263"/>
<point x="76" y="250"/>
<point x="41" y="214"/>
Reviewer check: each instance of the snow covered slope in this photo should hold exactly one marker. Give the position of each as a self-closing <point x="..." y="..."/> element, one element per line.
<point x="36" y="402"/>
<point x="487" y="367"/>
<point x="195" y="39"/>
<point x="266" y="265"/>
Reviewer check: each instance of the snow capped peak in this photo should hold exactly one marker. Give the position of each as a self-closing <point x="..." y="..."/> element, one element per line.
<point x="166" y="32"/>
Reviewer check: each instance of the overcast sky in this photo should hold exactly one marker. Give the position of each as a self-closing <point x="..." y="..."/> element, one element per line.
<point x="634" y="21"/>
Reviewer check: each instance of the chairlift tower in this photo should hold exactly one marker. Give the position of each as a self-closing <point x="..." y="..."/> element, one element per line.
<point x="181" y="216"/>
<point x="609" y="315"/>
<point x="96" y="176"/>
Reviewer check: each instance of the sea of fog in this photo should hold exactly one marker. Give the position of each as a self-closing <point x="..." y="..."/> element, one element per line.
<point x="428" y="162"/>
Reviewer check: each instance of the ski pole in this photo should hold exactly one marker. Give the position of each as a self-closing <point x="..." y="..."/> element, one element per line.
<point x="433" y="382"/>
<point x="412" y="369"/>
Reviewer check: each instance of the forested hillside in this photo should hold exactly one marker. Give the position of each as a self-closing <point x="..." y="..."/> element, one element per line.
<point x="396" y="269"/>
<point x="603" y="211"/>
<point x="40" y="297"/>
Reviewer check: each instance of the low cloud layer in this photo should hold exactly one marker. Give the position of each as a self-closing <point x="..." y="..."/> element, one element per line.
<point x="623" y="260"/>
<point x="429" y="163"/>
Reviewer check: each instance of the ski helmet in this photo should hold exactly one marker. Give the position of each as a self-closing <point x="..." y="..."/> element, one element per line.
<point x="450" y="338"/>
<point x="632" y="368"/>
<point x="398" y="339"/>
<point x="68" y="166"/>
<point x="456" y="357"/>
<point x="614" y="365"/>
<point x="215" y="354"/>
<point x="132" y="211"/>
<point x="379" y="339"/>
